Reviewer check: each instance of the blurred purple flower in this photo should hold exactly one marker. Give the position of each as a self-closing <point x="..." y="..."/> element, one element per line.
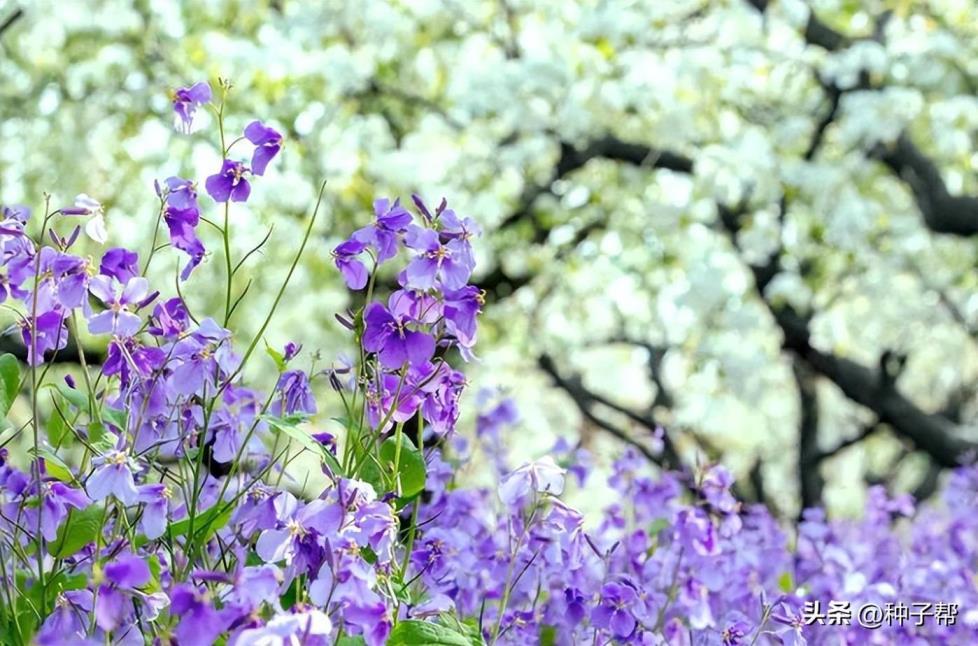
<point x="268" y="143"/>
<point x="186" y="100"/>
<point x="229" y="183"/>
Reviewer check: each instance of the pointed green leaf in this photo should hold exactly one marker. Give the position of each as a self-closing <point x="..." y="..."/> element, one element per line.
<point x="9" y="382"/>
<point x="421" y="633"/>
<point x="78" y="530"/>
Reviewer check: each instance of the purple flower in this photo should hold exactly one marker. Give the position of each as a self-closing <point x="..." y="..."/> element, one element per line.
<point x="291" y="350"/>
<point x="390" y="220"/>
<point x="575" y="605"/>
<point x="715" y="485"/>
<point x="113" y="477"/>
<point x="68" y="622"/>
<point x="268" y="142"/>
<point x="201" y="357"/>
<point x="229" y="183"/>
<point x="448" y="264"/>
<point x="51" y="335"/>
<point x="296" y="396"/>
<point x="56" y="499"/>
<point x="788" y="613"/>
<point x="462" y="307"/>
<point x="380" y="402"/>
<point x="695" y="529"/>
<point x="186" y="100"/>
<point x="156" y="508"/>
<point x="613" y="611"/>
<point x="255" y="585"/>
<point x="127" y="357"/>
<point x="63" y="280"/>
<point x="182" y="224"/>
<point x="113" y="604"/>
<point x="230" y="421"/>
<point x="117" y="319"/>
<point x="311" y="626"/>
<point x="455" y="228"/>
<point x="200" y="624"/>
<point x="737" y="629"/>
<point x="13" y="218"/>
<point x="541" y="476"/>
<point x="377" y="529"/>
<point x="127" y="571"/>
<point x="386" y="332"/>
<point x="354" y="272"/>
<point x="295" y="540"/>
<point x="170" y="318"/>
<point x="181" y="193"/>
<point x="120" y="264"/>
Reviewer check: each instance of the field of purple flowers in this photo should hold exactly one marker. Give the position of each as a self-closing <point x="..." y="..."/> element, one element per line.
<point x="150" y="505"/>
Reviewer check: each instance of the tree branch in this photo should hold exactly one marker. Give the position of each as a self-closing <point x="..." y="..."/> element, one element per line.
<point x="11" y="19"/>
<point x="932" y="433"/>
<point x="810" y="481"/>
<point x="585" y="401"/>
<point x="941" y="211"/>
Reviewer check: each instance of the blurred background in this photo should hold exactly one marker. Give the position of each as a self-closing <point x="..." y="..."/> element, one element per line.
<point x="724" y="230"/>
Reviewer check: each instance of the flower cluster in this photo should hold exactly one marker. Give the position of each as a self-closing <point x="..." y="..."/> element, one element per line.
<point x="153" y="503"/>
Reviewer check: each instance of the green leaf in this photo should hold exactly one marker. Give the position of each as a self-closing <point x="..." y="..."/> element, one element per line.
<point x="548" y="635"/>
<point x="100" y="439"/>
<point x="276" y="357"/>
<point x="154" y="569"/>
<point x="77" y="398"/>
<point x="10" y="378"/>
<point x="410" y="464"/>
<point x="78" y="530"/>
<point x="115" y="417"/>
<point x="58" y="427"/>
<point x="468" y="628"/>
<point x="289" y="427"/>
<point x="657" y="526"/>
<point x="55" y="466"/>
<point x="421" y="633"/>
<point x="350" y="640"/>
<point x="410" y="470"/>
<point x="786" y="583"/>
<point x="214" y="518"/>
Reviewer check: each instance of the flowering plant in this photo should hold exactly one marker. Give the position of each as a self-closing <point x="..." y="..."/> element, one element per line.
<point x="152" y="503"/>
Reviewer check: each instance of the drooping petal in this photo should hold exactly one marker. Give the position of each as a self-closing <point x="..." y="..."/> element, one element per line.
<point x="419" y="347"/>
<point x="135" y="291"/>
<point x="354" y="272"/>
<point x="96" y="230"/>
<point x="127" y="571"/>
<point x="273" y="545"/>
<point x="241" y="191"/>
<point x="103" y="323"/>
<point x="421" y="272"/>
<point x="113" y="479"/>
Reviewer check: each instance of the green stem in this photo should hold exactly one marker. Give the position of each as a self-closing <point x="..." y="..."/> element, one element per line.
<point x="227" y="261"/>
<point x="34" y="413"/>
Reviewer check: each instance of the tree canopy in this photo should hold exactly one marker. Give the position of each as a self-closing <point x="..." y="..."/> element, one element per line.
<point x="729" y="228"/>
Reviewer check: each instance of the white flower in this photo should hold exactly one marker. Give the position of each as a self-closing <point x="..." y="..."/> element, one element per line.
<point x="89" y="205"/>
<point x="543" y="476"/>
<point x="95" y="227"/>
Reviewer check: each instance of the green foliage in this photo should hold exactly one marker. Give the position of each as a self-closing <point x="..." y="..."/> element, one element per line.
<point x="206" y="523"/>
<point x="9" y="382"/>
<point x="55" y="466"/>
<point x="421" y="633"/>
<point x="405" y="466"/>
<point x="289" y="426"/>
<point x="79" y="529"/>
